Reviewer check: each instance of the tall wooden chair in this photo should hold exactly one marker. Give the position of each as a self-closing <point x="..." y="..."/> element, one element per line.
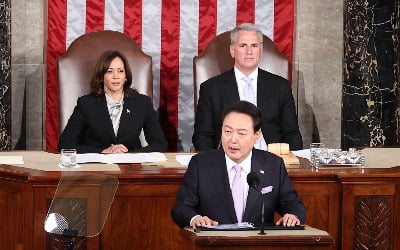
<point x="76" y="66"/>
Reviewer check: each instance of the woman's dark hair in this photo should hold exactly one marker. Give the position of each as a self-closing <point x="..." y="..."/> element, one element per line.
<point x="102" y="65"/>
<point x="247" y="108"/>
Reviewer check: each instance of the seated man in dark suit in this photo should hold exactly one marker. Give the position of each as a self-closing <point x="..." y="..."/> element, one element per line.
<point x="272" y="94"/>
<point x="215" y="189"/>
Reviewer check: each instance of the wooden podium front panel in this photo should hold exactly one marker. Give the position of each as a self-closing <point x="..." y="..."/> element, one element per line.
<point x="332" y="198"/>
<point x="309" y="238"/>
<point x="43" y="197"/>
<point x="322" y="201"/>
<point x="143" y="223"/>
<point x="370" y="215"/>
<point x="140" y="217"/>
<point x="14" y="229"/>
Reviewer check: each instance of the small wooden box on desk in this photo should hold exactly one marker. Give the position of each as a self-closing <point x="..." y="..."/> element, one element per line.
<point x="309" y="238"/>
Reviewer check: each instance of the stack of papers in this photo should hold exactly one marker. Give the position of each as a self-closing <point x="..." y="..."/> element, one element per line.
<point x="12" y="159"/>
<point x="304" y="153"/>
<point x="183" y="159"/>
<point x="121" y="158"/>
<point x="242" y="225"/>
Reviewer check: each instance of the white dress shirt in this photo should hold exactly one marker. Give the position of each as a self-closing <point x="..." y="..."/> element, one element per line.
<point x="115" y="117"/>
<point x="242" y="84"/>
<point x="260" y="144"/>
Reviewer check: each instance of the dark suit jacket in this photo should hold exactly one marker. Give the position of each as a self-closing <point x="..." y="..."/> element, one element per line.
<point x="90" y="129"/>
<point x="205" y="190"/>
<point x="274" y="99"/>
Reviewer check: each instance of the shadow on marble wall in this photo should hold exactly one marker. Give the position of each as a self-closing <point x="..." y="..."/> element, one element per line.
<point x="27" y="62"/>
<point x="20" y="144"/>
<point x="318" y="69"/>
<point x="306" y="115"/>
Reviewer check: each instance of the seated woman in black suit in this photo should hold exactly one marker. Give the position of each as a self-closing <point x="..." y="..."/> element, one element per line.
<point x="111" y="117"/>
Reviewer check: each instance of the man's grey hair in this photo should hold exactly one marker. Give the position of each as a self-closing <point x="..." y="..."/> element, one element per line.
<point x="248" y="27"/>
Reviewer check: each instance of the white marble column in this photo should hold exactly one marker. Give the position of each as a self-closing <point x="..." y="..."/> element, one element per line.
<point x="317" y="70"/>
<point x="28" y="73"/>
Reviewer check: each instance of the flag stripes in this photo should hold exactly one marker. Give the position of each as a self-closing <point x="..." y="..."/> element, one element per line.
<point x="172" y="32"/>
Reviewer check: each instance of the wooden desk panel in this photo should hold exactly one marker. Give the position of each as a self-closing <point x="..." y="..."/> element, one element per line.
<point x="323" y="205"/>
<point x="140" y="214"/>
<point x="370" y="211"/>
<point x="147" y="225"/>
<point x="14" y="215"/>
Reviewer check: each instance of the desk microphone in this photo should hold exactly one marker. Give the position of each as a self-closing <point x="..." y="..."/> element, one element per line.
<point x="254" y="180"/>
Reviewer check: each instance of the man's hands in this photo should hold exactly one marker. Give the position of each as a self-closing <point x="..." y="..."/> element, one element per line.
<point x="288" y="220"/>
<point x="115" y="149"/>
<point x="199" y="221"/>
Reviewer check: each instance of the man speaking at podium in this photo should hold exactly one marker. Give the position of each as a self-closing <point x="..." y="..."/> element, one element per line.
<point x="215" y="190"/>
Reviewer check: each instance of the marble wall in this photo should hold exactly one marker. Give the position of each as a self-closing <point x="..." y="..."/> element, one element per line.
<point x="317" y="76"/>
<point x="5" y="74"/>
<point x="28" y="70"/>
<point x="317" y="71"/>
<point x="371" y="102"/>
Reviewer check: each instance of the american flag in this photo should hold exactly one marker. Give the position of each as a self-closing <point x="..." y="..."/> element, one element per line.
<point x="172" y="32"/>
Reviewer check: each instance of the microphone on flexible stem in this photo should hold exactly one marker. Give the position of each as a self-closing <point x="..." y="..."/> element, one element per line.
<point x="254" y="180"/>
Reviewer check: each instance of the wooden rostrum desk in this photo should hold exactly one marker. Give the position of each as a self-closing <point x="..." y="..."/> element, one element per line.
<point x="309" y="238"/>
<point x="360" y="208"/>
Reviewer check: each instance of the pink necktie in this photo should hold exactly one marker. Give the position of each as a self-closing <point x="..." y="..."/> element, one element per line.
<point x="237" y="193"/>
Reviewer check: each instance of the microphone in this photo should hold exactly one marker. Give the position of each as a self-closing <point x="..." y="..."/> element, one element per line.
<point x="56" y="223"/>
<point x="254" y="180"/>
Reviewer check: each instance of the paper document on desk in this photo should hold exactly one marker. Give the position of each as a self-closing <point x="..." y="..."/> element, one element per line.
<point x="184" y="159"/>
<point x="90" y="157"/>
<point x="121" y="158"/>
<point x="136" y="157"/>
<point x="304" y="153"/>
<point x="10" y="160"/>
<point x="242" y="225"/>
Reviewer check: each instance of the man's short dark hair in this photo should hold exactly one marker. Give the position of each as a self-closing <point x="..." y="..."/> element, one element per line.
<point x="247" y="108"/>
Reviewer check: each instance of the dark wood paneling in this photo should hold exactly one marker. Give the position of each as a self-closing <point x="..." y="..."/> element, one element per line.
<point x="369" y="215"/>
<point x="149" y="223"/>
<point x="323" y="204"/>
<point x="373" y="222"/>
<point x="11" y="214"/>
<point x="140" y="214"/>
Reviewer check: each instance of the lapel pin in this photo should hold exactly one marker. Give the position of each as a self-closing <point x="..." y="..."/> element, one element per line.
<point x="128" y="111"/>
<point x="261" y="171"/>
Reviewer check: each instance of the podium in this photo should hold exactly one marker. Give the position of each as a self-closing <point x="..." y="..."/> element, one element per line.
<point x="309" y="238"/>
<point x="336" y="200"/>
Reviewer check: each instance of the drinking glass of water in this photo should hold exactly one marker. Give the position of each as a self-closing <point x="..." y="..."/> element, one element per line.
<point x="315" y="151"/>
<point x="68" y="158"/>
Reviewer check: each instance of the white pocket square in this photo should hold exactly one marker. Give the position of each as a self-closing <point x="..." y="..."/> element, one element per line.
<point x="266" y="190"/>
